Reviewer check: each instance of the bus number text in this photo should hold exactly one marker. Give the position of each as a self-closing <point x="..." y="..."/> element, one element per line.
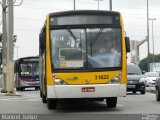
<point x="101" y="76"/>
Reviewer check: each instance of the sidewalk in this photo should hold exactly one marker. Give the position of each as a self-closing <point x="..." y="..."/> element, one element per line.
<point x="9" y="94"/>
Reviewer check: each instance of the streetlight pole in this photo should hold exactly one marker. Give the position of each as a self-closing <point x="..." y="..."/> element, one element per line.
<point x="148" y="36"/>
<point x="152" y="19"/>
<point x="137" y="49"/>
<point x="98" y="3"/>
<point x="74" y="2"/>
<point x="110" y="5"/>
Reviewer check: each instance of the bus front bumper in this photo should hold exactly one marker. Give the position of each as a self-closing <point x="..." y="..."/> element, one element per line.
<point x="86" y="91"/>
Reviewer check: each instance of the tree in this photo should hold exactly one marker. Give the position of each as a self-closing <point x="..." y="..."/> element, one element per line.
<point x="143" y="64"/>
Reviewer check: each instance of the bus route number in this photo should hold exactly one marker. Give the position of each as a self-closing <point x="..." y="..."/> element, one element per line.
<point x="101" y="77"/>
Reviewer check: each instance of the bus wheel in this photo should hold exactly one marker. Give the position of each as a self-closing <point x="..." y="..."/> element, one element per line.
<point x="21" y="88"/>
<point x="17" y="88"/>
<point x="52" y="103"/>
<point x="36" y="88"/>
<point x="111" y="102"/>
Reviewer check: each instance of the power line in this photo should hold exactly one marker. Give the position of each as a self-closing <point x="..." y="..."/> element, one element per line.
<point x="29" y="30"/>
<point x="18" y="4"/>
<point x="45" y="8"/>
<point x="26" y="19"/>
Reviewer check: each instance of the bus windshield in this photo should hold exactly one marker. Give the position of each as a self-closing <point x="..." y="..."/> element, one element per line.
<point x="29" y="69"/>
<point x="86" y="48"/>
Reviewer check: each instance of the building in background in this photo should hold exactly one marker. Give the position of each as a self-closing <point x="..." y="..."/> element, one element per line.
<point x="133" y="53"/>
<point x="155" y="67"/>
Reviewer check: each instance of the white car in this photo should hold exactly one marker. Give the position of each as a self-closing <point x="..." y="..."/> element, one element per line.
<point x="150" y="78"/>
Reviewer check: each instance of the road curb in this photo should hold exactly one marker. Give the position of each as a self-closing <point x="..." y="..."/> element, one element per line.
<point x="10" y="94"/>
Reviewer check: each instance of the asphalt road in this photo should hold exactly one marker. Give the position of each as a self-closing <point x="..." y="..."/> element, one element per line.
<point x="30" y="102"/>
<point x="132" y="107"/>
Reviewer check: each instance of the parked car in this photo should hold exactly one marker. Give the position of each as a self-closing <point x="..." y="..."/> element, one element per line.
<point x="157" y="86"/>
<point x="150" y="78"/>
<point x="134" y="76"/>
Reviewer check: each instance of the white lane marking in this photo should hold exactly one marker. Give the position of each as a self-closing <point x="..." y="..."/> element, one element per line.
<point x="20" y="99"/>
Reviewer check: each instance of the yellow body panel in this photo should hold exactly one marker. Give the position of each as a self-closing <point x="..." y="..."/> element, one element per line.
<point x="79" y="78"/>
<point x="124" y="55"/>
<point x="48" y="56"/>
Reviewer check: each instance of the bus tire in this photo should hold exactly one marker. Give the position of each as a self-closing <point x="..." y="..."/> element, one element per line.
<point x="44" y="100"/>
<point x="21" y="88"/>
<point x="111" y="102"/>
<point x="36" y="88"/>
<point x="17" y="88"/>
<point x="52" y="103"/>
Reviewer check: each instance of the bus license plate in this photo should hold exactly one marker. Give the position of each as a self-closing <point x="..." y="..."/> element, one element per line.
<point x="88" y="89"/>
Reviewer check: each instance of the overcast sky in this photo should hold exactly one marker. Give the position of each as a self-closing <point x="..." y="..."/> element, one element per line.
<point x="30" y="17"/>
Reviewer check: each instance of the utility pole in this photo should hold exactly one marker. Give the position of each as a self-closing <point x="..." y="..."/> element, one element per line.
<point x="110" y="5"/>
<point x="74" y="2"/>
<point x="137" y="49"/>
<point x="10" y="65"/>
<point x="152" y="19"/>
<point x="4" y="45"/>
<point x="148" y="36"/>
<point x="98" y="3"/>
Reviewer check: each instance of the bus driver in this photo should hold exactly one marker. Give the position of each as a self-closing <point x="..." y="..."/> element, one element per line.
<point x="106" y="56"/>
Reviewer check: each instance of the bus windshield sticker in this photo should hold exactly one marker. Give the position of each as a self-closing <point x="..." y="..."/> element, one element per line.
<point x="74" y="63"/>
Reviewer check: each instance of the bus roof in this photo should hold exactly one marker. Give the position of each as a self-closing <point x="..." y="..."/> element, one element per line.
<point x="83" y="12"/>
<point x="30" y="57"/>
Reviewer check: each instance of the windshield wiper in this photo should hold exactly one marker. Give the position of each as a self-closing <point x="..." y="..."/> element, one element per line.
<point x="92" y="41"/>
<point x="97" y="36"/>
<point x="71" y="33"/>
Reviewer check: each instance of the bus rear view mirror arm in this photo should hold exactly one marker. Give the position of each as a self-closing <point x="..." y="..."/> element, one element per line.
<point x="127" y="44"/>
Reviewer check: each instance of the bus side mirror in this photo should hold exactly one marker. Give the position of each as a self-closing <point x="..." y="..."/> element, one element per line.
<point x="42" y="40"/>
<point x="127" y="44"/>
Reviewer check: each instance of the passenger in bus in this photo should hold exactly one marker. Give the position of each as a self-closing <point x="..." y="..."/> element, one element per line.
<point x="106" y="55"/>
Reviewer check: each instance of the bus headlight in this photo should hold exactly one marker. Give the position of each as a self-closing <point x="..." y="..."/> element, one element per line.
<point x="58" y="81"/>
<point x="116" y="79"/>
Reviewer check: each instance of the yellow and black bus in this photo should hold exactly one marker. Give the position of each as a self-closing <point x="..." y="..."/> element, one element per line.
<point x="83" y="56"/>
